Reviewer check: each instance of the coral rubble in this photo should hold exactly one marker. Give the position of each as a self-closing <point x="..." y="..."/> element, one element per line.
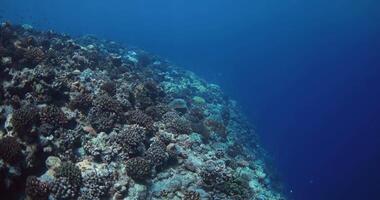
<point x="82" y="118"/>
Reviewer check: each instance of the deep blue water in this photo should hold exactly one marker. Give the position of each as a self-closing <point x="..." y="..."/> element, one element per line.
<point x="306" y="72"/>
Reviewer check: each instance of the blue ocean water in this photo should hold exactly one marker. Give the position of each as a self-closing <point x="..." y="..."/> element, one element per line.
<point x="305" y="72"/>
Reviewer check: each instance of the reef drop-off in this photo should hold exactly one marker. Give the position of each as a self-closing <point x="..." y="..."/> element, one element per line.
<point x="82" y="118"/>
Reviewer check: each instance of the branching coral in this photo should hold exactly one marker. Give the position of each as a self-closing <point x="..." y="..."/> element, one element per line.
<point x="35" y="189"/>
<point x="212" y="178"/>
<point x="129" y="141"/>
<point x="217" y="127"/>
<point x="1" y="91"/>
<point x="33" y="56"/>
<point x="102" y="121"/>
<point x="176" y="124"/>
<point x="191" y="195"/>
<point x="201" y="129"/>
<point x="138" y="168"/>
<point x="223" y="181"/>
<point x="68" y="181"/>
<point x="108" y="104"/>
<point x="96" y="186"/>
<point x="61" y="188"/>
<point x="109" y="87"/>
<point x="118" y="145"/>
<point x="44" y="73"/>
<point x="67" y="141"/>
<point x="53" y="116"/>
<point x="157" y="111"/>
<point x="234" y="150"/>
<point x="140" y="118"/>
<point x="6" y="33"/>
<point x="132" y="135"/>
<point x="157" y="154"/>
<point x="196" y="115"/>
<point x="146" y="94"/>
<point x="10" y="150"/>
<point x="106" y="113"/>
<point x="25" y="54"/>
<point x="71" y="172"/>
<point x="236" y="187"/>
<point x="81" y="102"/>
<point x="24" y="119"/>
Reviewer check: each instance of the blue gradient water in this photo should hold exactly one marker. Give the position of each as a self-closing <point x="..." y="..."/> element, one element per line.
<point x="306" y="72"/>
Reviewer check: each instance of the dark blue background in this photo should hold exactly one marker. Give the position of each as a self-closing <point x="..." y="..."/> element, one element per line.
<point x="306" y="72"/>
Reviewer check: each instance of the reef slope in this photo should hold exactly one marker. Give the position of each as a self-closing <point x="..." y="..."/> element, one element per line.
<point x="82" y="118"/>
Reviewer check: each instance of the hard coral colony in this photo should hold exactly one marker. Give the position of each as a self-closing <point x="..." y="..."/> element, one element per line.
<point x="88" y="119"/>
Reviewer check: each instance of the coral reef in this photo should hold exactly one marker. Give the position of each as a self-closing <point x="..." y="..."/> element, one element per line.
<point x="83" y="118"/>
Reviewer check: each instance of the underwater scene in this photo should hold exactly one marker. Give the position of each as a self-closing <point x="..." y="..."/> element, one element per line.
<point x="189" y="100"/>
